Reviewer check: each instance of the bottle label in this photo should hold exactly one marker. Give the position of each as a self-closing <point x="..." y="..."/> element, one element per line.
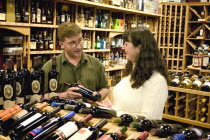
<point x="52" y="94"/>
<point x="8" y="103"/>
<point x="20" y="114"/>
<point x="19" y="100"/>
<point x="1" y="100"/>
<point x="53" y="84"/>
<point x="82" y="134"/>
<point x="35" y="97"/>
<point x="186" y="81"/>
<point x="33" y="45"/>
<point x="205" y="61"/>
<point x="207" y="83"/>
<point x="8" y="91"/>
<point x="62" y="18"/>
<point x="51" y="46"/>
<point x="2" y="16"/>
<point x="197" y="82"/>
<point x="197" y="131"/>
<point x="33" y="18"/>
<point x="31" y="119"/>
<point x="68" y="129"/>
<point x="35" y="86"/>
<point x="18" y="88"/>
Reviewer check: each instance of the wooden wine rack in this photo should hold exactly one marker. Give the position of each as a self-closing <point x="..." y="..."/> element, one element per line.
<point x="110" y="127"/>
<point x="191" y="107"/>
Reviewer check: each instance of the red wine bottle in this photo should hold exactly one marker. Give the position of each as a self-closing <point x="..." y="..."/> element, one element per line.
<point x="36" y="82"/>
<point x="42" y="74"/>
<point x="9" y="87"/>
<point x="68" y="129"/>
<point x="89" y="132"/>
<point x="190" y="134"/>
<point x="114" y="136"/>
<point x="31" y="123"/>
<point x="26" y="78"/>
<point x="98" y="111"/>
<point x="11" y="122"/>
<point x="53" y="80"/>
<point x="49" y="126"/>
<point x="124" y="119"/>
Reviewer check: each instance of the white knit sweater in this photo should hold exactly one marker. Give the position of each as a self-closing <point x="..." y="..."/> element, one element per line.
<point x="148" y="100"/>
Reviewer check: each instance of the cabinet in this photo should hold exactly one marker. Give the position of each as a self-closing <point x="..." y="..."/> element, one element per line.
<point x="171" y="35"/>
<point x="57" y="11"/>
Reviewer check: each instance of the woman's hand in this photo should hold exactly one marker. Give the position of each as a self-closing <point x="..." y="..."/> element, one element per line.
<point x="105" y="103"/>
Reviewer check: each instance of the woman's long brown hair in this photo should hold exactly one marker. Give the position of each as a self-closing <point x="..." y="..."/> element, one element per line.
<point x="149" y="58"/>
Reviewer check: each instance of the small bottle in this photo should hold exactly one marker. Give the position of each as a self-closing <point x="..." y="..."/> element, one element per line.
<point x="114" y="136"/>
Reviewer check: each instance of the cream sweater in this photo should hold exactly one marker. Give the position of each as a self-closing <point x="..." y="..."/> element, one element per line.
<point x="148" y="100"/>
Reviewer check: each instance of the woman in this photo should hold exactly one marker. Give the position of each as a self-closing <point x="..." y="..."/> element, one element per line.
<point x="143" y="90"/>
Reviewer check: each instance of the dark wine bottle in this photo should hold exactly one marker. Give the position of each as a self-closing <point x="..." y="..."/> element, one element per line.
<point x="98" y="111"/>
<point x="89" y="132"/>
<point x="68" y="129"/>
<point x="20" y="95"/>
<point x="31" y="123"/>
<point x="53" y="80"/>
<point x="114" y="136"/>
<point x="145" y="124"/>
<point x="189" y="134"/>
<point x="165" y="130"/>
<point x="76" y="107"/>
<point x="42" y="74"/>
<point x="36" y="82"/>
<point x="10" y="123"/>
<point x="124" y="119"/>
<point x="1" y="89"/>
<point x="9" y="87"/>
<point x="49" y="126"/>
<point x="26" y="78"/>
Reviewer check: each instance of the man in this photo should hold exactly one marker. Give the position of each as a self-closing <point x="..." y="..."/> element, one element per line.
<point x="74" y="66"/>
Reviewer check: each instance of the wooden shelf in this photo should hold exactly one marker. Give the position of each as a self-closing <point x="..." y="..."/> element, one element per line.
<point x="117" y="67"/>
<point x="16" y="24"/>
<point x="184" y="120"/>
<point x="110" y="7"/>
<point x="197" y="92"/>
<point x="198" y="69"/>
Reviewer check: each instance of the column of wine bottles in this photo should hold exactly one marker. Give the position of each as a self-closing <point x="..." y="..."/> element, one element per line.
<point x="41" y="39"/>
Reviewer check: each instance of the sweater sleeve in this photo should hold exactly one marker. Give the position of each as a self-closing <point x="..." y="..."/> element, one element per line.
<point x="155" y="94"/>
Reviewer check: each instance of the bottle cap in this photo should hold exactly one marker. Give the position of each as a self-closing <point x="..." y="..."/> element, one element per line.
<point x="69" y="115"/>
<point x="134" y="125"/>
<point x="116" y="120"/>
<point x="178" y="137"/>
<point x="143" y="135"/>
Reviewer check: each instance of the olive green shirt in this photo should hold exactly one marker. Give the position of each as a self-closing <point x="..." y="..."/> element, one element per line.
<point x="89" y="72"/>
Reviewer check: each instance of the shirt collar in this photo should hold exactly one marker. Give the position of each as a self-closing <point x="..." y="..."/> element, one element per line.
<point x="64" y="59"/>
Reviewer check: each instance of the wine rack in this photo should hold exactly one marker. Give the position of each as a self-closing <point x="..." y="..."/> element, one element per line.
<point x="171" y="35"/>
<point x="186" y="106"/>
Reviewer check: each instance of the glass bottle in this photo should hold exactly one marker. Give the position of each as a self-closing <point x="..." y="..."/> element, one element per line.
<point x="114" y="136"/>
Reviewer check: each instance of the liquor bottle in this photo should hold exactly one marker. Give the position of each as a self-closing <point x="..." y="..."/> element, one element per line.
<point x="90" y="132"/>
<point x="68" y="129"/>
<point x="45" y="41"/>
<point x="33" y="43"/>
<point x="2" y="11"/>
<point x="206" y="86"/>
<point x="10" y="123"/>
<point x="1" y="89"/>
<point x="33" y="12"/>
<point x="35" y="82"/>
<point x="85" y="46"/>
<point x="50" y="42"/>
<point x="98" y="43"/>
<point x="165" y="130"/>
<point x="43" y="14"/>
<point x="24" y="12"/>
<point x="114" y="136"/>
<point x="53" y="80"/>
<point x="9" y="87"/>
<point x="49" y="16"/>
<point x="38" y="13"/>
<point x="20" y="95"/>
<point x="40" y="44"/>
<point x="31" y="123"/>
<point x="205" y="61"/>
<point x="49" y="126"/>
<point x="98" y="111"/>
<point x="86" y="93"/>
<point x="26" y="77"/>
<point x="124" y="119"/>
<point x="17" y="11"/>
<point x="145" y="124"/>
<point x="189" y="134"/>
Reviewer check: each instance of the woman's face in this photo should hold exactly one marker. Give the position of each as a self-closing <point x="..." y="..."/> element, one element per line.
<point x="130" y="51"/>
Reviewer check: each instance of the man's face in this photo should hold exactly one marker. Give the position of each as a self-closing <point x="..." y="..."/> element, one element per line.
<point x="73" y="46"/>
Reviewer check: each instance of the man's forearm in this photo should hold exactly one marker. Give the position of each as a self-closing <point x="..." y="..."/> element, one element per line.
<point x="104" y="92"/>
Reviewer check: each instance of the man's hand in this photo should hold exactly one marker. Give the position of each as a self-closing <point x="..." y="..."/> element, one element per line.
<point x="71" y="94"/>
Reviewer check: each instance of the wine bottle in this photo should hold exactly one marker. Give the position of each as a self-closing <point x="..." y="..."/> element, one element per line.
<point x="86" y="93"/>
<point x="20" y="95"/>
<point x="124" y="119"/>
<point x="145" y="124"/>
<point x="9" y="87"/>
<point x="189" y="134"/>
<point x="53" y="80"/>
<point x="98" y="111"/>
<point x="206" y="86"/>
<point x="176" y="81"/>
<point x="186" y="83"/>
<point x="35" y="82"/>
<point x="11" y="122"/>
<point x="42" y="74"/>
<point x="26" y="78"/>
<point x="114" y="136"/>
<point x="68" y="129"/>
<point x="1" y="89"/>
<point x="144" y="135"/>
<point x="89" y="132"/>
<point x="49" y="126"/>
<point x="165" y="130"/>
<point x="32" y="122"/>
